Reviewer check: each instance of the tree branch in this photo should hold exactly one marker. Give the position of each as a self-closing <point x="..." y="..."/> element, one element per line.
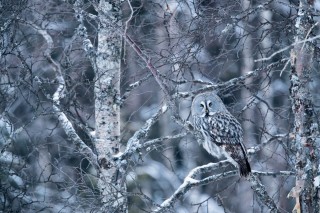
<point x="189" y="182"/>
<point x="149" y="64"/>
<point x="134" y="142"/>
<point x="262" y="194"/>
<point x="133" y="86"/>
<point x="57" y="95"/>
<point x="287" y="47"/>
<point x="255" y="149"/>
<point x="232" y="82"/>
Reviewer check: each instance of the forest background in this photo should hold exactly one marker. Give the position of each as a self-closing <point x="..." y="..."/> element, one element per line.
<point x="95" y="103"/>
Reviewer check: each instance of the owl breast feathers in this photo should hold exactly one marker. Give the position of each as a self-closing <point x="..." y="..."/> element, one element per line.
<point x="223" y="135"/>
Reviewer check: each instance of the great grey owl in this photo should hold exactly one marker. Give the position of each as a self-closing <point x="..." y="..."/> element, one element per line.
<point x="222" y="132"/>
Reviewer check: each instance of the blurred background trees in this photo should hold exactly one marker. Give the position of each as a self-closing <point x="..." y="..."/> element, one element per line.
<point x="95" y="104"/>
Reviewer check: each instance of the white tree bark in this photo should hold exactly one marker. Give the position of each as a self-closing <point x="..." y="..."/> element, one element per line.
<point x="107" y="106"/>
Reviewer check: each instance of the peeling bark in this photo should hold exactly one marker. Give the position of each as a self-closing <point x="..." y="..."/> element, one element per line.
<point x="304" y="124"/>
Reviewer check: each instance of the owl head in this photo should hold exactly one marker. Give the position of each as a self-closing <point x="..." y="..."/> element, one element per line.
<point x="206" y="104"/>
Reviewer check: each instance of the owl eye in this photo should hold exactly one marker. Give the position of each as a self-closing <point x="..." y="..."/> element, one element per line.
<point x="209" y="104"/>
<point x="202" y="105"/>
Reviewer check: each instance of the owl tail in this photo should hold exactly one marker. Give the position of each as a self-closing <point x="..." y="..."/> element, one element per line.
<point x="244" y="168"/>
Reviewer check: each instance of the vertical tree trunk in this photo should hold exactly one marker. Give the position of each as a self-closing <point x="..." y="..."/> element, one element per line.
<point x="247" y="66"/>
<point x="304" y="123"/>
<point x="266" y="93"/>
<point x="107" y="114"/>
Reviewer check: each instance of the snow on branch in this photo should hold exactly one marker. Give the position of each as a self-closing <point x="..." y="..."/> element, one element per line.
<point x="47" y="53"/>
<point x="133" y="86"/>
<point x="82" y="33"/>
<point x="262" y="194"/>
<point x="134" y="142"/>
<point x="74" y="137"/>
<point x="11" y="159"/>
<point x="158" y="140"/>
<point x="57" y="95"/>
<point x="189" y="182"/>
<point x="274" y="174"/>
<point x="255" y="149"/>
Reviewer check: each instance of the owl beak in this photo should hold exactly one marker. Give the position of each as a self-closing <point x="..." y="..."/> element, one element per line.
<point x="207" y="112"/>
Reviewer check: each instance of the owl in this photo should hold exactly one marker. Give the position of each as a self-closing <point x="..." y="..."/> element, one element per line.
<point x="223" y="135"/>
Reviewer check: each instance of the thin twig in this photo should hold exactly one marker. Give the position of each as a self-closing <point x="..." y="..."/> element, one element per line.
<point x="274" y="174"/>
<point x="134" y="142"/>
<point x="255" y="149"/>
<point x="133" y="86"/>
<point x="57" y="95"/>
<point x="189" y="182"/>
<point x="287" y="47"/>
<point x="150" y="66"/>
<point x="231" y="83"/>
<point x="158" y="140"/>
<point x="262" y="194"/>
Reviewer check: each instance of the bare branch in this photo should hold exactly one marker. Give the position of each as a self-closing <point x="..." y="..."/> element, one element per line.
<point x="259" y="147"/>
<point x="133" y="86"/>
<point x="262" y="194"/>
<point x="189" y="182"/>
<point x="58" y="94"/>
<point x="150" y="66"/>
<point x="134" y="142"/>
<point x="274" y="174"/>
<point x="288" y="47"/>
<point x="158" y="140"/>
<point x="82" y="33"/>
<point x="233" y="82"/>
<point x="74" y="137"/>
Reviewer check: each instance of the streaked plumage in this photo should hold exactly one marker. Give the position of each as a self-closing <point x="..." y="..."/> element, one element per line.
<point x="222" y="132"/>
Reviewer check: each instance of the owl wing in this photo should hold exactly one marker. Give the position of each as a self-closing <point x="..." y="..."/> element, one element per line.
<point x="226" y="132"/>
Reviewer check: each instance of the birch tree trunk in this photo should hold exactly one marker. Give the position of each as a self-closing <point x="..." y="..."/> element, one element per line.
<point x="305" y="130"/>
<point x="107" y="106"/>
